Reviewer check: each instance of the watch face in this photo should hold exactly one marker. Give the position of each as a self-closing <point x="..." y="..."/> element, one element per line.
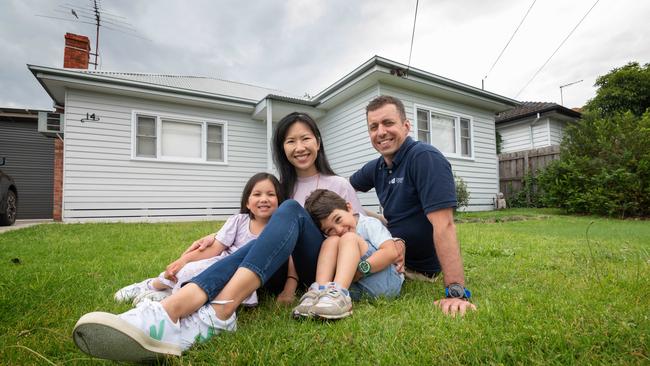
<point x="456" y="291"/>
<point x="364" y="267"/>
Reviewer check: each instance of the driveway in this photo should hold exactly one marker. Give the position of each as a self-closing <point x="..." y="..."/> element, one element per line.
<point x="22" y="224"/>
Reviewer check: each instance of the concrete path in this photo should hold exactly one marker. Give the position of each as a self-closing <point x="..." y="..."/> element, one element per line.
<point x="19" y="224"/>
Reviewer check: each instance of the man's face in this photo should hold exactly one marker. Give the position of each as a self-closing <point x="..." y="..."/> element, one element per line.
<point x="387" y="130"/>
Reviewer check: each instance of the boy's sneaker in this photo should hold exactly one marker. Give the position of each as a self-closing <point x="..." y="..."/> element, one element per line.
<point x="202" y="325"/>
<point x="130" y="292"/>
<point x="152" y="295"/>
<point x="309" y="299"/>
<point x="142" y="334"/>
<point x="333" y="303"/>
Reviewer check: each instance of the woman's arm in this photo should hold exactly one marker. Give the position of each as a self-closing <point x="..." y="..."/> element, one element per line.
<point x="192" y="256"/>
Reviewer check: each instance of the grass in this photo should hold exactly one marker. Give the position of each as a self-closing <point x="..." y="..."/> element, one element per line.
<point x="547" y="293"/>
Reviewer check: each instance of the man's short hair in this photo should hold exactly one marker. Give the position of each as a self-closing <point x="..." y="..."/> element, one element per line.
<point x="321" y="203"/>
<point x="382" y="100"/>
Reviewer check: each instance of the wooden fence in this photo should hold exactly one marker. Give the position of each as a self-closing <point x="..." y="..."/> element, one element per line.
<point x="513" y="167"/>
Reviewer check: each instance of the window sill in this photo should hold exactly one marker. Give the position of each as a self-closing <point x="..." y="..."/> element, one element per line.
<point x="458" y="157"/>
<point x="179" y="161"/>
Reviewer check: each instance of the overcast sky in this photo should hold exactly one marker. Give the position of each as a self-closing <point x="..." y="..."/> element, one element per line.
<point x="303" y="46"/>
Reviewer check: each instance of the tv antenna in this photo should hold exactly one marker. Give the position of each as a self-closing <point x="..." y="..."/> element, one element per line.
<point x="95" y="15"/>
<point x="564" y="86"/>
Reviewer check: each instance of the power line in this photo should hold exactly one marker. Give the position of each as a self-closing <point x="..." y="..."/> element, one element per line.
<point x="511" y="37"/>
<point x="408" y="67"/>
<point x="558" y="47"/>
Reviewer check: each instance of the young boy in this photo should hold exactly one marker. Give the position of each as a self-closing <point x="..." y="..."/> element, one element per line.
<point x="345" y="268"/>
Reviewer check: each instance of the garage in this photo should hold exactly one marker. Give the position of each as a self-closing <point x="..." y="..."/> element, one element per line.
<point x="29" y="159"/>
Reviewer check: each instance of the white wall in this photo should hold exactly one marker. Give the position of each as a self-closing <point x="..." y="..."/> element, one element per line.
<point x="102" y="182"/>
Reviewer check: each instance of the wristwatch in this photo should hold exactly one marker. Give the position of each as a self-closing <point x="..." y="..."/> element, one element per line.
<point x="457" y="291"/>
<point x="364" y="268"/>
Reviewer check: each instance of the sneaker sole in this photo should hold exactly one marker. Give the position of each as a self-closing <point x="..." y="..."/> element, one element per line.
<point x="106" y="336"/>
<point x="332" y="316"/>
<point x="299" y="315"/>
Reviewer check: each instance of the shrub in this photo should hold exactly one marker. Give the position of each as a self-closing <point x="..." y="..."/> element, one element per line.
<point x="462" y="193"/>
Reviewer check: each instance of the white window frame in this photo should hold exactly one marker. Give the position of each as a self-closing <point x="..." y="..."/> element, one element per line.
<point x="159" y="117"/>
<point x="457" y="130"/>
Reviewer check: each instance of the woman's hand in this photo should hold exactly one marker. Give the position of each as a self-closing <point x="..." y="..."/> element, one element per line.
<point x="173" y="268"/>
<point x="285" y="298"/>
<point x="201" y="244"/>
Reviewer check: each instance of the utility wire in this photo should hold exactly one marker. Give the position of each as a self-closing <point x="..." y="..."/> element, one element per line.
<point x="510" y="40"/>
<point x="558" y="47"/>
<point x="408" y="67"/>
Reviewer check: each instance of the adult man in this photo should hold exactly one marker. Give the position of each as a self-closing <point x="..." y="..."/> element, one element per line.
<point x="415" y="186"/>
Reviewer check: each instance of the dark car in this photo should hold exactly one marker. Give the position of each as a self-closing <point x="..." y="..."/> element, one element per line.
<point x="8" y="198"/>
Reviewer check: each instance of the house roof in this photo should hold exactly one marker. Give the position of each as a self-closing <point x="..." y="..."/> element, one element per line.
<point x="527" y="109"/>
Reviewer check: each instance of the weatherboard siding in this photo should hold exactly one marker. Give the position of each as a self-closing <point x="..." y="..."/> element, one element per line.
<point x="103" y="182"/>
<point x="556" y="130"/>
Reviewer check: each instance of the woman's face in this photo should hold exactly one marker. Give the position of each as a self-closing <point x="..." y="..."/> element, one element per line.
<point x="301" y="148"/>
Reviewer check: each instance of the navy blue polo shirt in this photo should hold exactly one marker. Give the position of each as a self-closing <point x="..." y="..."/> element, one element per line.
<point x="419" y="182"/>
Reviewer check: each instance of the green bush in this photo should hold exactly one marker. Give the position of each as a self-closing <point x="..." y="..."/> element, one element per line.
<point x="462" y="193"/>
<point x="604" y="167"/>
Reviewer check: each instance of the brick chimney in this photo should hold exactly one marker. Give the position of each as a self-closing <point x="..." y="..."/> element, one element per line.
<point x="77" y="51"/>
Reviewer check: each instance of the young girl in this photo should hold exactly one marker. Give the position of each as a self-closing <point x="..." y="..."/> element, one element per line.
<point x="260" y="198"/>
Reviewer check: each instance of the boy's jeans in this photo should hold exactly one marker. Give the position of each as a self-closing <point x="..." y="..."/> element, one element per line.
<point x="290" y="231"/>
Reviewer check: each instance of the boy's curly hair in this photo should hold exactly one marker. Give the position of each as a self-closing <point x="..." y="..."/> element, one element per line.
<point x="321" y="203"/>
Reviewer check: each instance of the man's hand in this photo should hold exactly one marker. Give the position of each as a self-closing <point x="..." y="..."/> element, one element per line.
<point x="453" y="306"/>
<point x="201" y="244"/>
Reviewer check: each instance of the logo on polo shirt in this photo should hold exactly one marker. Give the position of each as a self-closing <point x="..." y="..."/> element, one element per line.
<point x="396" y="181"/>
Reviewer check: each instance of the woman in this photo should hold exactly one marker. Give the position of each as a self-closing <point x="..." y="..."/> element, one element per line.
<point x="167" y="328"/>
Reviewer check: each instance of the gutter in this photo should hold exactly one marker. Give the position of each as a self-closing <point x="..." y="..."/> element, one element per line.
<point x="532" y="140"/>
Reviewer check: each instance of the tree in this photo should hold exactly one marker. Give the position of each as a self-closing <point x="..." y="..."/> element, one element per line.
<point x="604" y="166"/>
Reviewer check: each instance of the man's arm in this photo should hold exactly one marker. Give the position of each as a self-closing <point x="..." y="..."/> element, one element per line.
<point x="448" y="251"/>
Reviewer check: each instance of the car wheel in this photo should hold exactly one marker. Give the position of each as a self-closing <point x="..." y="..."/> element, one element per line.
<point x="8" y="217"/>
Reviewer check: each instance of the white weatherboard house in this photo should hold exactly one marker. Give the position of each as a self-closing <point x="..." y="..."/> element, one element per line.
<point x="147" y="147"/>
<point x="533" y="125"/>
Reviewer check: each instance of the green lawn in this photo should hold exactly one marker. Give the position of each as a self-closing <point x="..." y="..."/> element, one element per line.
<point x="547" y="294"/>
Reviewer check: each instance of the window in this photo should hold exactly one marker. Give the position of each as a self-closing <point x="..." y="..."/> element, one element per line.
<point x="179" y="139"/>
<point x="449" y="133"/>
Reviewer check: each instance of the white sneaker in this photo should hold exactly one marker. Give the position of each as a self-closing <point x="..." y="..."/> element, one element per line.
<point x="152" y="295"/>
<point x="142" y="334"/>
<point x="203" y="325"/>
<point x="130" y="292"/>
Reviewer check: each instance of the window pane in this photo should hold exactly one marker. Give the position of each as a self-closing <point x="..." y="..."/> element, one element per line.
<point x="181" y="139"/>
<point x="465" y="138"/>
<point x="146" y="147"/>
<point x="443" y="132"/>
<point x="215" y="133"/>
<point x="145" y="141"/>
<point x="424" y="136"/>
<point x="215" y="151"/>
<point x="146" y="126"/>
<point x="423" y="120"/>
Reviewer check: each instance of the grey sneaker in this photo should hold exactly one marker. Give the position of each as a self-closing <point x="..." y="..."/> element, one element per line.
<point x="130" y="292"/>
<point x="333" y="303"/>
<point x="306" y="302"/>
<point x="152" y="295"/>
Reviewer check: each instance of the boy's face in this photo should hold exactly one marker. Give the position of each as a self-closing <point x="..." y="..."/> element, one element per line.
<point x="339" y="222"/>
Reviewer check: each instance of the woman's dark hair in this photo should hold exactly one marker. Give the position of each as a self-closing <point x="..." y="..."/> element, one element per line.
<point x="248" y="189"/>
<point x="288" y="175"/>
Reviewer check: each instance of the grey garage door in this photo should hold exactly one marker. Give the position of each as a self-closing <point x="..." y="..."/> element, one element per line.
<point x="30" y="161"/>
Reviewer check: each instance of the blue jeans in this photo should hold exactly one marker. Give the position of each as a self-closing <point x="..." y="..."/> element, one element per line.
<point x="290" y="231"/>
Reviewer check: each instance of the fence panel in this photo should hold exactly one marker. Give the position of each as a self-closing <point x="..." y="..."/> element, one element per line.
<point x="513" y="167"/>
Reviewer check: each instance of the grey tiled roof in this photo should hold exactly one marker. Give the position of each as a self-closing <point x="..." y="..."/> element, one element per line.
<point x="196" y="83"/>
<point x="527" y="109"/>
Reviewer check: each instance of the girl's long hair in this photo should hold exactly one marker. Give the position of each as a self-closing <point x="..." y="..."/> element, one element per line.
<point x="288" y="176"/>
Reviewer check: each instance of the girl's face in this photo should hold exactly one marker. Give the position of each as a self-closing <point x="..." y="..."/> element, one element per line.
<point x="263" y="200"/>
<point x="301" y="148"/>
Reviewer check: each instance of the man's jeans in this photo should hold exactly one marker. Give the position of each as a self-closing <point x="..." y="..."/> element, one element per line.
<point x="290" y="231"/>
